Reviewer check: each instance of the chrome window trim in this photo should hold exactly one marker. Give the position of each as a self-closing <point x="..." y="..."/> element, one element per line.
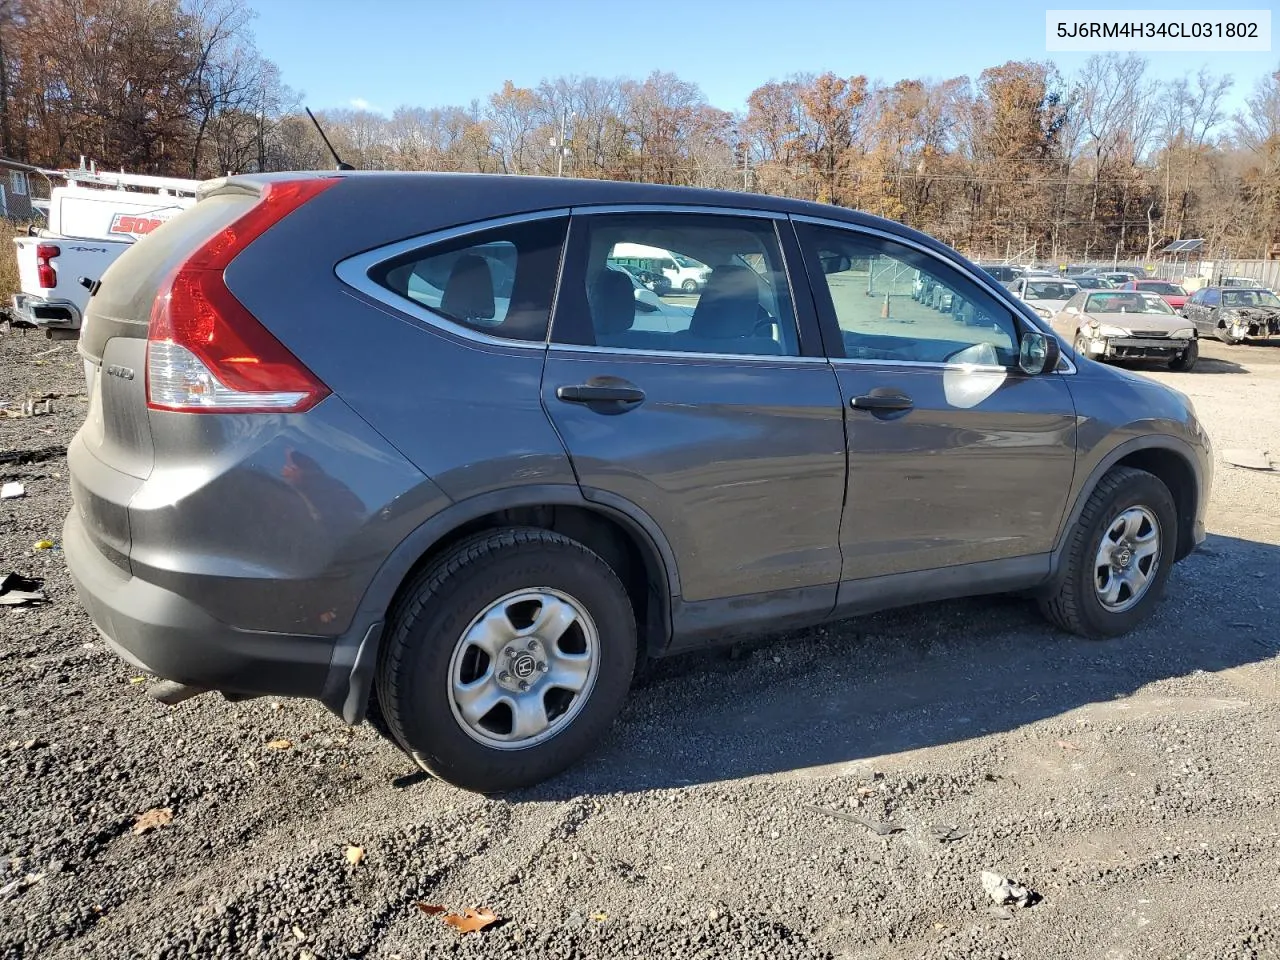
<point x="739" y="212"/>
<point x="998" y="294"/>
<point x="775" y="358"/>
<point x="640" y="207"/>
<point x="354" y="272"/>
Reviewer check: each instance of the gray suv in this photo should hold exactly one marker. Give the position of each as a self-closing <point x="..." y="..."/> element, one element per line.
<point x="405" y="444"/>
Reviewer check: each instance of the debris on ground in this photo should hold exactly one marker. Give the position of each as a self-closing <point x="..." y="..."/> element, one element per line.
<point x="30" y="880"/>
<point x="1250" y="459"/>
<point x="430" y="909"/>
<point x="1000" y="913"/>
<point x="43" y="545"/>
<point x="153" y="819"/>
<point x="354" y="854"/>
<point x="882" y="828"/>
<point x="949" y="834"/>
<point x="17" y="591"/>
<point x="281" y="744"/>
<point x="12" y="490"/>
<point x="1003" y="890"/>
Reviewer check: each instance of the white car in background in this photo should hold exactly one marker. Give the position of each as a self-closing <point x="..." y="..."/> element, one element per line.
<point x="1128" y="325"/>
<point x="1047" y="295"/>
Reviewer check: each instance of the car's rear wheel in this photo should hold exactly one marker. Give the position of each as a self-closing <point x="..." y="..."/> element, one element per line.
<point x="690" y="286"/>
<point x="1185" y="361"/>
<point x="1118" y="556"/>
<point x="507" y="659"/>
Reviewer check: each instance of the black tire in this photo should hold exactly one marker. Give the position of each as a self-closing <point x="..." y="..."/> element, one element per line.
<point x="1185" y="362"/>
<point x="1080" y="347"/>
<point x="431" y="617"/>
<point x="1223" y="333"/>
<point x="1073" y="605"/>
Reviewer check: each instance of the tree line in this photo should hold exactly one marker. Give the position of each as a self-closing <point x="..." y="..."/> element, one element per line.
<point x="1107" y="161"/>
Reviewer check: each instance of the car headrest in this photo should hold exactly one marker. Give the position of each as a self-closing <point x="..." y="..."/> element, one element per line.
<point x="613" y="302"/>
<point x="729" y="306"/>
<point x="469" y="293"/>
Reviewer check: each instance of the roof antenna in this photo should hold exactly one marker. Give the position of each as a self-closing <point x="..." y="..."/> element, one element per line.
<point x="336" y="159"/>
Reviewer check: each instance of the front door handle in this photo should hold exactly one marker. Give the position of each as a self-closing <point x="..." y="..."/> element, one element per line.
<point x="881" y="403"/>
<point x="596" y="393"/>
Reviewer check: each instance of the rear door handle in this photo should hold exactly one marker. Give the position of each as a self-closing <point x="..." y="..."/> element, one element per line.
<point x="593" y="393"/>
<point x="881" y="403"/>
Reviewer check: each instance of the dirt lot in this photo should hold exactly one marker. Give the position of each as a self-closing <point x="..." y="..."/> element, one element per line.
<point x="1132" y="785"/>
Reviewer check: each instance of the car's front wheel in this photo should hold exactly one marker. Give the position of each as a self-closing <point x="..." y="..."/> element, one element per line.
<point x="1081" y="347"/>
<point x="690" y="286"/>
<point x="1118" y="556"/>
<point x="507" y="659"/>
<point x="1185" y="361"/>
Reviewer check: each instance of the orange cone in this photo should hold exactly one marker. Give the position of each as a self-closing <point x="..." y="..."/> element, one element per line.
<point x="884" y="311"/>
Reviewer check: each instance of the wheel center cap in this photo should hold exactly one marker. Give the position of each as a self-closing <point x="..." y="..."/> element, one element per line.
<point x="1123" y="556"/>
<point x="523" y="666"/>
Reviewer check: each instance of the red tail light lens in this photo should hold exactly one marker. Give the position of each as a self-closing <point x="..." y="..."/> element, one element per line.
<point x="46" y="276"/>
<point x="206" y="353"/>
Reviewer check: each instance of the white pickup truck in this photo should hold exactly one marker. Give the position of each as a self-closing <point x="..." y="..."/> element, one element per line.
<point x="91" y="221"/>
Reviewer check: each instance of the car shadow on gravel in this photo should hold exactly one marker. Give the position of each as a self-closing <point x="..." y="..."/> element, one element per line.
<point x="864" y="689"/>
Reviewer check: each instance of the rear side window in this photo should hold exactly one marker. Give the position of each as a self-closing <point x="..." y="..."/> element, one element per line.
<point x="499" y="281"/>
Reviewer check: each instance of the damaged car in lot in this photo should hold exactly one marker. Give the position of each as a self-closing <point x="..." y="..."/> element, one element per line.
<point x="1234" y="314"/>
<point x="1128" y="325"/>
<point x="405" y="444"/>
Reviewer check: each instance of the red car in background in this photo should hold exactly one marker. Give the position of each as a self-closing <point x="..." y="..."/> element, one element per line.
<point x="1172" y="294"/>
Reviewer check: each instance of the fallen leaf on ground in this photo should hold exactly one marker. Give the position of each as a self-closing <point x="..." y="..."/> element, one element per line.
<point x="471" y="920"/>
<point x="137" y="679"/>
<point x="43" y="544"/>
<point x="281" y="744"/>
<point x="600" y="917"/>
<point x="1067" y="745"/>
<point x="354" y="855"/>
<point x="430" y="909"/>
<point x="153" y="819"/>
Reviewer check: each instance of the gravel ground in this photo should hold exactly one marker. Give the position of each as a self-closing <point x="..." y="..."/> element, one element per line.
<point x="1131" y="785"/>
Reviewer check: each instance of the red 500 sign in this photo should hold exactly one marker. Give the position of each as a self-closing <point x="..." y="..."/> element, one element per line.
<point x="134" y="224"/>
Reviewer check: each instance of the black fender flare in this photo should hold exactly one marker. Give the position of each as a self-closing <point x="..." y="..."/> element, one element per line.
<point x="351" y="668"/>
<point x="1166" y="442"/>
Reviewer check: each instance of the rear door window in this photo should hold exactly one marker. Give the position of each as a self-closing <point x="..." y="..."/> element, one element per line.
<point x="498" y="282"/>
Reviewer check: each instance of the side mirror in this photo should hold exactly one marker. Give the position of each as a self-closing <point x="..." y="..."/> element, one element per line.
<point x="645" y="306"/>
<point x="1038" y="353"/>
<point x="1073" y="310"/>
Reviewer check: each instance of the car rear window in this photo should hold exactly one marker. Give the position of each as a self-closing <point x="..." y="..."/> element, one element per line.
<point x="498" y="281"/>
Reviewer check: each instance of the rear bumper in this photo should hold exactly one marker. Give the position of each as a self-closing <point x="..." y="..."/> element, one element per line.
<point x="169" y="636"/>
<point x="48" y="314"/>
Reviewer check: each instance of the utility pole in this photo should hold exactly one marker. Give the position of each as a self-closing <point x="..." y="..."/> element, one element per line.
<point x="746" y="167"/>
<point x="564" y="122"/>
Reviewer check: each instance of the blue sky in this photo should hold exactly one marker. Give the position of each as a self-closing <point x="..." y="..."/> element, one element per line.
<point x="384" y="53"/>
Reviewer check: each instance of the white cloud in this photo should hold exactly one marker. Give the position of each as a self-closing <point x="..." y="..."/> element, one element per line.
<point x="359" y="103"/>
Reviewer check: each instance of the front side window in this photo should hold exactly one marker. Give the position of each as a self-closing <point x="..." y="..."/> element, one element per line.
<point x="499" y="281"/>
<point x="893" y="302"/>
<point x="732" y="296"/>
<point x="1212" y="298"/>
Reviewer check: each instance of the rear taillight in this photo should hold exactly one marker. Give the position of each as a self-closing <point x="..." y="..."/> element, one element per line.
<point x="46" y="276"/>
<point x="205" y="352"/>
